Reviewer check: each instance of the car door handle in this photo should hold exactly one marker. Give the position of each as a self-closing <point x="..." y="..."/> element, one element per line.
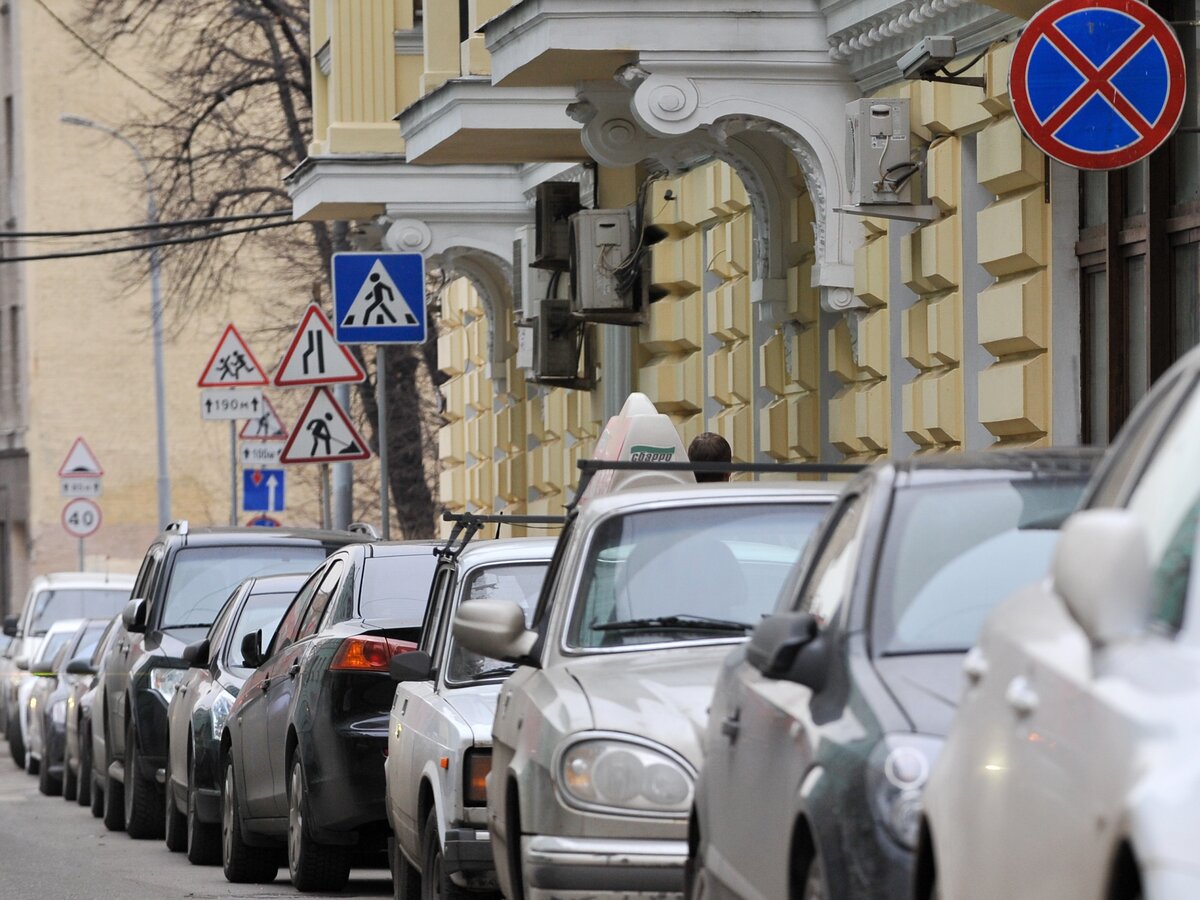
<point x="975" y="665"/>
<point x="266" y="683"/>
<point x="182" y="689"/>
<point x="1021" y="696"/>
<point x="294" y="670"/>
<point x="730" y="726"/>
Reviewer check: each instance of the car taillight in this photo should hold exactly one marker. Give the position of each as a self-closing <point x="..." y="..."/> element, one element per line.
<point x="368" y="654"/>
<point x="476" y="767"/>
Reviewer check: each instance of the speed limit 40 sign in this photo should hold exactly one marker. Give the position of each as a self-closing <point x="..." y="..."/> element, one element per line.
<point x="81" y="517"/>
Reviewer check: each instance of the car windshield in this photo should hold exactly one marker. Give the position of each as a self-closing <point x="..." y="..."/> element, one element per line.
<point x="202" y="578"/>
<point x="50" y="647"/>
<point x="54" y="605"/>
<point x="260" y="611"/>
<point x="686" y="574"/>
<point x="519" y="583"/>
<point x="953" y="551"/>
<point x="395" y="589"/>
<point x="88" y="641"/>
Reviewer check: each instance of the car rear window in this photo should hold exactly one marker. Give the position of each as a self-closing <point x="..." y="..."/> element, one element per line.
<point x="953" y="551"/>
<point x="202" y="578"/>
<point x="52" y="606"/>
<point x="395" y="589"/>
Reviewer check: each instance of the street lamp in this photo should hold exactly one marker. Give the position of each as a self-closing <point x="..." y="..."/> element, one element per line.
<point x="160" y="412"/>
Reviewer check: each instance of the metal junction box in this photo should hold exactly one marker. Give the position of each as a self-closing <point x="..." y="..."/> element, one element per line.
<point x="879" y="162"/>
<point x="600" y="247"/>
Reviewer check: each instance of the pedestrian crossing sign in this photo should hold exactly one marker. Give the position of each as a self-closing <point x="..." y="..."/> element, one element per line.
<point x="323" y="434"/>
<point x="379" y="298"/>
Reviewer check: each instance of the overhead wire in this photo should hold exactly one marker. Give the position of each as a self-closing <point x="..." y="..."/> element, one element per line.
<point x="145" y="226"/>
<point x="148" y="245"/>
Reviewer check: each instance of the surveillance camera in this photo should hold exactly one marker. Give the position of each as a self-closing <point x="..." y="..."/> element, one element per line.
<point x="927" y="57"/>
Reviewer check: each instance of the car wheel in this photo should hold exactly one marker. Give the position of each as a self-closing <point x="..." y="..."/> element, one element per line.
<point x="406" y="880"/>
<point x="435" y="880"/>
<point x="70" y="781"/>
<point x="16" y="745"/>
<point x="313" y="866"/>
<point x="203" y="838"/>
<point x="47" y="783"/>
<point x="242" y="863"/>
<point x="114" y="794"/>
<point x="814" y="881"/>
<point x="143" y="811"/>
<point x="84" y="774"/>
<point x="174" y="822"/>
<point x="697" y="880"/>
<point x="32" y="763"/>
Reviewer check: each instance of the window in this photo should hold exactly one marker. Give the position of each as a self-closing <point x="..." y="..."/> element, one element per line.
<point x="320" y="601"/>
<point x="518" y="583"/>
<point x="395" y="589"/>
<point x="285" y="634"/>
<point x="260" y="612"/>
<point x="54" y="605"/>
<point x="831" y="574"/>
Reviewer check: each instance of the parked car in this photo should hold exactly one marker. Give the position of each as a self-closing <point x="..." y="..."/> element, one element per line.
<point x="77" y="759"/>
<point x="59" y="595"/>
<point x="30" y="698"/>
<point x="48" y="725"/>
<point x="596" y="737"/>
<point x="440" y="728"/>
<point x="184" y="580"/>
<point x="197" y="714"/>
<point x="824" y="726"/>
<point x="302" y="750"/>
<point x="1070" y="771"/>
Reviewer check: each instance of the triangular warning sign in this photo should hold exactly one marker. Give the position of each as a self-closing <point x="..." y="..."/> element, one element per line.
<point x="232" y="364"/>
<point x="379" y="302"/>
<point x="266" y="426"/>
<point x="315" y="356"/>
<point x="81" y="462"/>
<point x="323" y="433"/>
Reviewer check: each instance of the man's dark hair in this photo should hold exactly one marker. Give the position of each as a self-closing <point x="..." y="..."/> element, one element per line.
<point x="710" y="447"/>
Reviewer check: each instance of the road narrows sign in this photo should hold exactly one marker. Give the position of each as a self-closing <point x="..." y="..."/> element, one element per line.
<point x="379" y="298"/>
<point x="232" y="364"/>
<point x="81" y="517"/>
<point x="315" y="357"/>
<point x="1097" y="84"/>
<point x="323" y="434"/>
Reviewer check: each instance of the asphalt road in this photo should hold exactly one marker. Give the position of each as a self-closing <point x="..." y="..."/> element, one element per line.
<point x="54" y="850"/>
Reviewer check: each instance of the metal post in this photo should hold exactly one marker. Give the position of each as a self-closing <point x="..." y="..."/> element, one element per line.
<point x="233" y="473"/>
<point x="82" y="557"/>
<point x="381" y="432"/>
<point x="326" y="513"/>
<point x="343" y="475"/>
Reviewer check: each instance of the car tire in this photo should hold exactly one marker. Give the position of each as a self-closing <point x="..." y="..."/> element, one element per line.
<point x="697" y="881"/>
<point x="143" y="809"/>
<point x="84" y="775"/>
<point x="114" y="795"/>
<point x="70" y="781"/>
<point x="406" y="880"/>
<point x="16" y="746"/>
<point x="242" y="863"/>
<point x="174" y="822"/>
<point x="814" y="887"/>
<point x="312" y="866"/>
<point x="435" y="880"/>
<point x="203" y="838"/>
<point x="47" y="783"/>
<point x="32" y="764"/>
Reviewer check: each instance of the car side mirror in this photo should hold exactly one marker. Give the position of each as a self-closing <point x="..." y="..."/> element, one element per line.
<point x="252" y="655"/>
<point x="495" y="628"/>
<point x="22" y="663"/>
<point x="1102" y="573"/>
<point x="133" y="616"/>
<point x="43" y="668"/>
<point x="10" y="626"/>
<point x="789" y="646"/>
<point x="416" y="665"/>
<point x="196" y="654"/>
<point x="80" y="665"/>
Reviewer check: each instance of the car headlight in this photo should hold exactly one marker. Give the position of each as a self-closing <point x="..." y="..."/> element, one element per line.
<point x="897" y="772"/>
<point x="58" y="712"/>
<point x="220" y="712"/>
<point x="620" y="775"/>
<point x="166" y="681"/>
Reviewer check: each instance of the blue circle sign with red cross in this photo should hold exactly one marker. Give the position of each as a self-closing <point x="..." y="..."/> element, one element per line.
<point x="1097" y="84"/>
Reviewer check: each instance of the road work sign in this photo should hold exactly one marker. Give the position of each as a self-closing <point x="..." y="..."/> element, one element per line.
<point x="323" y="434"/>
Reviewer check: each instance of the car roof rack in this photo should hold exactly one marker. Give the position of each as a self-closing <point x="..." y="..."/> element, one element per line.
<point x="589" y="467"/>
<point x="179" y="526"/>
<point x="364" y="528"/>
<point x="468" y="524"/>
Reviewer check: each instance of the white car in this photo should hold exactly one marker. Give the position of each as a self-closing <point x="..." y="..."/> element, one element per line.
<point x="1072" y="769"/>
<point x="440" y="735"/>
<point x="39" y="666"/>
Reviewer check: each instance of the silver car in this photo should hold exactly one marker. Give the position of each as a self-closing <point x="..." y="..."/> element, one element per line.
<point x="440" y="735"/>
<point x="596" y="738"/>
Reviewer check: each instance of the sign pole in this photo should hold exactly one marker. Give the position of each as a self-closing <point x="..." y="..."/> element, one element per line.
<point x="81" y="556"/>
<point x="326" y="513"/>
<point x="381" y="434"/>
<point x="233" y="473"/>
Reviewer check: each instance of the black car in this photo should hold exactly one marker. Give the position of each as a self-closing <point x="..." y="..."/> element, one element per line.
<point x="58" y="693"/>
<point x="824" y="727"/>
<point x="185" y="578"/>
<point x="198" y="711"/>
<point x="303" y="749"/>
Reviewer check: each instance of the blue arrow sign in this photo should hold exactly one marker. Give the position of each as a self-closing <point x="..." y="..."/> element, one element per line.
<point x="263" y="490"/>
<point x="379" y="298"/>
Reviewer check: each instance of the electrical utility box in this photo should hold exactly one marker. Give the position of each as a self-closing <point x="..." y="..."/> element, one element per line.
<point x="601" y="269"/>
<point x="556" y="202"/>
<point x="558" y="338"/>
<point x="529" y="285"/>
<point x="879" y="162"/>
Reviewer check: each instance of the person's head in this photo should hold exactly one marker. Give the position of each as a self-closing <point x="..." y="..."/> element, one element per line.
<point x="710" y="447"/>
